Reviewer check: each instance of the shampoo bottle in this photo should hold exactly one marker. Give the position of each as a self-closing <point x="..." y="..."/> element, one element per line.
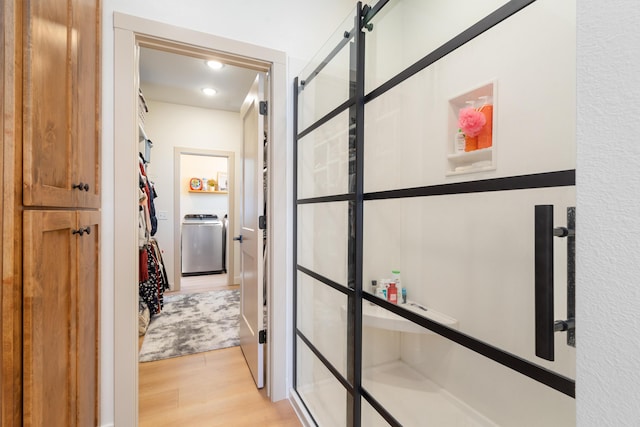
<point x="392" y="293"/>
<point x="485" y="137"/>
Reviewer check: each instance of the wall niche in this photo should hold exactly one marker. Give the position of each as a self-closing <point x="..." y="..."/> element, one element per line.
<point x="474" y="151"/>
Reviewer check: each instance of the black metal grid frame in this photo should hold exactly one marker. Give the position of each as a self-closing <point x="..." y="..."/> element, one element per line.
<point x="357" y="197"/>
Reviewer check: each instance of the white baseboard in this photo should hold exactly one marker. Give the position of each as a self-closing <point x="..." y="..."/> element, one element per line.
<point x="303" y="415"/>
<point x="108" y="425"/>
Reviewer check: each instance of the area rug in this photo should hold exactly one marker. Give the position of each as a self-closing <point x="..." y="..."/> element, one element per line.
<point x="193" y="323"/>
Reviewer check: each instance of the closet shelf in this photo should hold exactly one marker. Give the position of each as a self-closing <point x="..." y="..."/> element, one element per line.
<point x="208" y="192"/>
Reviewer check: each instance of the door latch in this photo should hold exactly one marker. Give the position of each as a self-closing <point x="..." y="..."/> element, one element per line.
<point x="262" y="222"/>
<point x="262" y="336"/>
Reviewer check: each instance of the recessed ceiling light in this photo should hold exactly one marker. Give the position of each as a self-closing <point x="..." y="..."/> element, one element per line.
<point x="215" y="65"/>
<point x="209" y="91"/>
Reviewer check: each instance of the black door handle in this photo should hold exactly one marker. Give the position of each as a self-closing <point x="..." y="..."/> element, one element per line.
<point x="239" y="238"/>
<point x="545" y="326"/>
<point x="544" y="281"/>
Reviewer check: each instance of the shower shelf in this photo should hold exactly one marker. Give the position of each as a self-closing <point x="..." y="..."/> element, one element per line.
<point x="377" y="317"/>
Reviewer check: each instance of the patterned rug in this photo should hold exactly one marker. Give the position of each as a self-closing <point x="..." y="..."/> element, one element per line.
<point x="193" y="323"/>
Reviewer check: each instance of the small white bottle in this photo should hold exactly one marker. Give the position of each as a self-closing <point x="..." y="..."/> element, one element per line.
<point x="458" y="142"/>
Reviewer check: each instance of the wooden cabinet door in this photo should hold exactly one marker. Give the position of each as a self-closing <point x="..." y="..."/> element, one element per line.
<point x="61" y="97"/>
<point x="48" y="155"/>
<point x="50" y="321"/>
<point x="61" y="318"/>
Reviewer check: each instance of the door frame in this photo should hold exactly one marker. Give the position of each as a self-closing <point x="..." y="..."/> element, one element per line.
<point x="130" y="31"/>
<point x="178" y="152"/>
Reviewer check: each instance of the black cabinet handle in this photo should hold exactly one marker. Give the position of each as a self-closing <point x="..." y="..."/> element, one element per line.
<point x="81" y="231"/>
<point x="81" y="186"/>
<point x="239" y="238"/>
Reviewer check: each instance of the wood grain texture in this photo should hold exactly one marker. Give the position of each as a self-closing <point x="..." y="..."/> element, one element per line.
<point x="88" y="323"/>
<point x="48" y="152"/>
<point x="86" y="84"/>
<point x="62" y="103"/>
<point x="207" y="389"/>
<point x="50" y="320"/>
<point x="43" y="99"/>
<point x="11" y="223"/>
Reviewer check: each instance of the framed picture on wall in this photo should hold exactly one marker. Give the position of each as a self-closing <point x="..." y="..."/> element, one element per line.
<point x="223" y="181"/>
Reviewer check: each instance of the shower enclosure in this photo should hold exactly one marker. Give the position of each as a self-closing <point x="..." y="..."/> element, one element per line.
<point x="483" y="238"/>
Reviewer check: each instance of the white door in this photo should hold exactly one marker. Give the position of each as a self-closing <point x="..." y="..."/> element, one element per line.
<point x="251" y="236"/>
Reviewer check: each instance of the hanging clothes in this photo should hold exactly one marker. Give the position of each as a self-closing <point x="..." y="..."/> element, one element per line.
<point x="153" y="280"/>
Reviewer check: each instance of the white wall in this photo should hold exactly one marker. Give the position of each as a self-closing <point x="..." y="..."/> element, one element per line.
<point x="170" y="126"/>
<point x="607" y="271"/>
<point x="206" y="201"/>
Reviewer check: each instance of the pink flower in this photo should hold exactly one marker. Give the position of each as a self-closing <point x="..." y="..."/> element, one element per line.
<point x="471" y="121"/>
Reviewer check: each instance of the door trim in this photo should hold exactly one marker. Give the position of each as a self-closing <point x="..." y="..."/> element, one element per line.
<point x="130" y="31"/>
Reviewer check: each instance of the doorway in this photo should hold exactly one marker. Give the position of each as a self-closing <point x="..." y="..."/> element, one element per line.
<point x="131" y="32"/>
<point x="218" y="202"/>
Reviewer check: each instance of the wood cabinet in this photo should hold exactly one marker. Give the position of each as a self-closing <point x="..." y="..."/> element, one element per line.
<point x="50" y="212"/>
<point x="61" y="103"/>
<point x="60" y="306"/>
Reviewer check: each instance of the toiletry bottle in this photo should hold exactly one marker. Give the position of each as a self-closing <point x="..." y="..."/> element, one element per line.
<point x="485" y="137"/>
<point x="374" y="287"/>
<point x="381" y="291"/>
<point x="470" y="142"/>
<point x="396" y="278"/>
<point x="399" y="288"/>
<point x="392" y="293"/>
<point x="458" y="142"/>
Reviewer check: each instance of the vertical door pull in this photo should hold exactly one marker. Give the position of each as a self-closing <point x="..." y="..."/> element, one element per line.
<point x="545" y="326"/>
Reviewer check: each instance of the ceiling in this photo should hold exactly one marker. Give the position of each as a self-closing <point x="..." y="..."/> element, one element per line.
<point x="179" y="79"/>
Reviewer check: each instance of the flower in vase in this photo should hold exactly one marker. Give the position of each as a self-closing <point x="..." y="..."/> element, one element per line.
<point x="471" y="121"/>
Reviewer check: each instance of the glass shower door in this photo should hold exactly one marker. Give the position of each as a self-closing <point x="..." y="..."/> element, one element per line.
<point x="381" y="186"/>
<point x="460" y="226"/>
<point x="323" y="289"/>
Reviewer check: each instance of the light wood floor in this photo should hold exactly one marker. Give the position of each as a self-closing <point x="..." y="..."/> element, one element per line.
<point x="195" y="284"/>
<point x="206" y="389"/>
